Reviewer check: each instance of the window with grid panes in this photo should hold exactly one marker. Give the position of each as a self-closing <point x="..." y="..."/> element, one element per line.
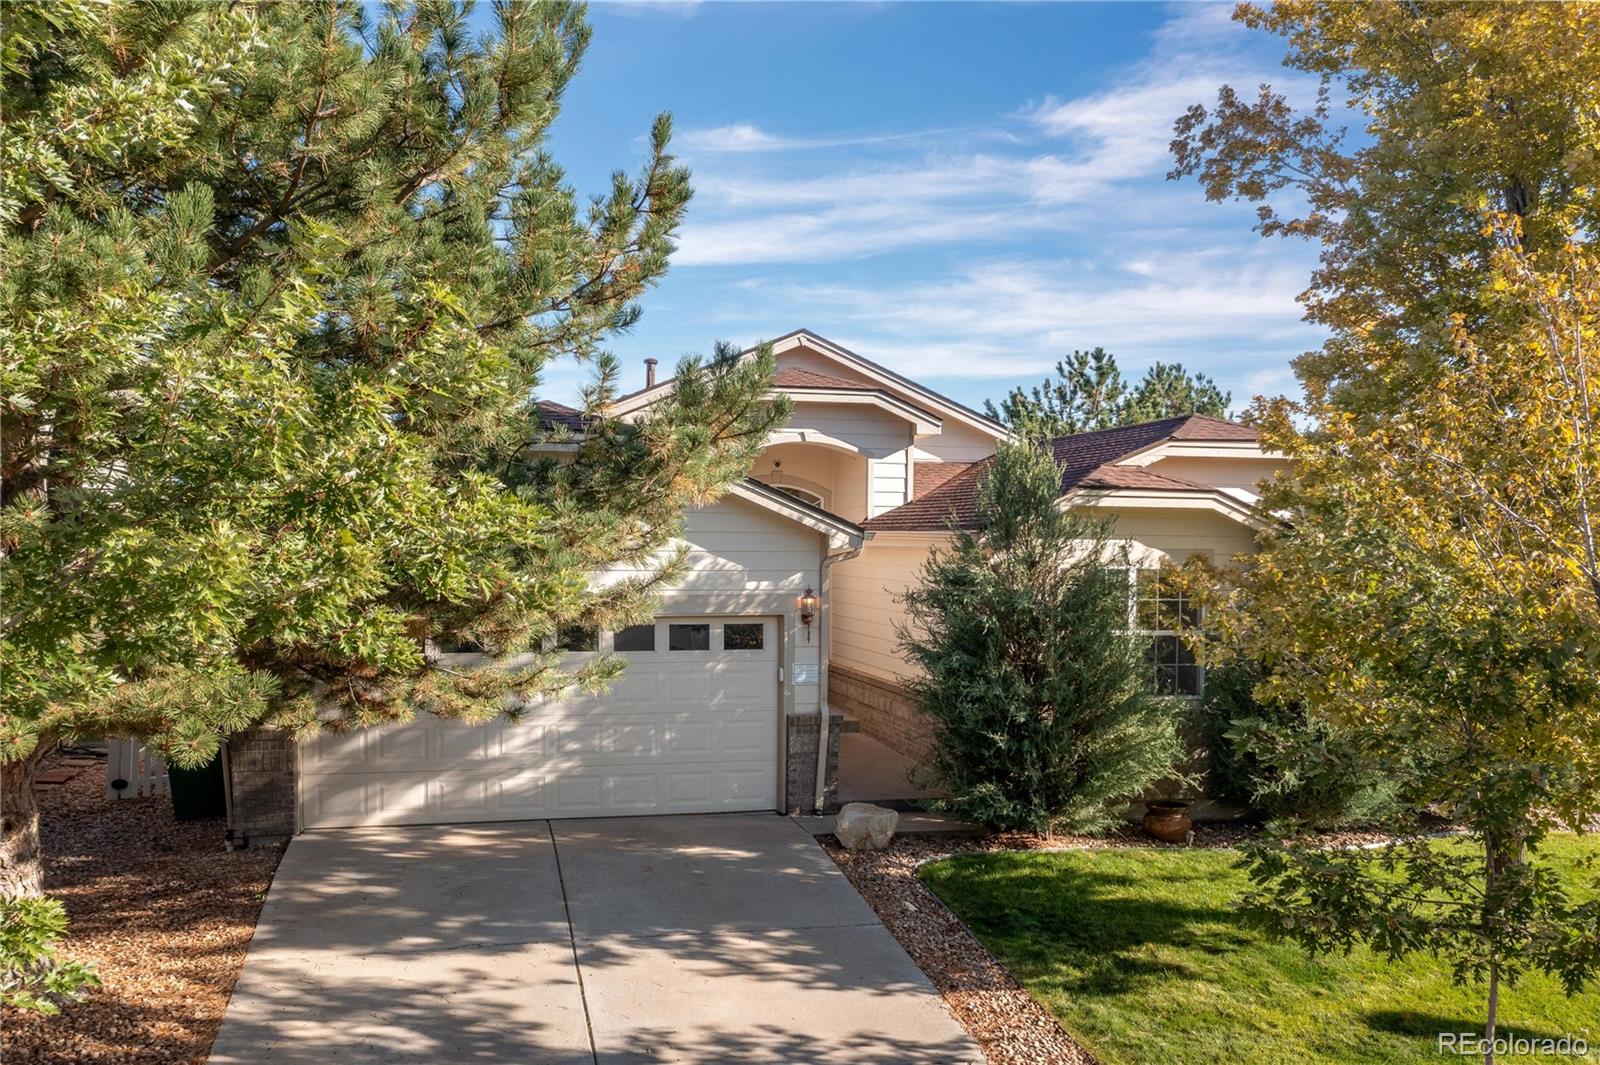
<point x="1161" y="612"/>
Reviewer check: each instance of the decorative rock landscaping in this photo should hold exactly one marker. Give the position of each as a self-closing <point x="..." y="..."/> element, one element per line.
<point x="863" y="826"/>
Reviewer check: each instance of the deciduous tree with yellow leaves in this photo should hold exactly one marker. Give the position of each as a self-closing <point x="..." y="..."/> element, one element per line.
<point x="1435" y="584"/>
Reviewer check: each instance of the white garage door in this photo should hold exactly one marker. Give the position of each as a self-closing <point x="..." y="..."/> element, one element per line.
<point x="691" y="726"/>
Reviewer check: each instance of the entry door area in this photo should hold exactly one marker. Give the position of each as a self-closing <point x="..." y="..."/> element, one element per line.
<point x="691" y="726"/>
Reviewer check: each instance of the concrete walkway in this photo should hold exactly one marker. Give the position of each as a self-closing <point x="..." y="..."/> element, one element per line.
<point x="870" y="771"/>
<point x="721" y="938"/>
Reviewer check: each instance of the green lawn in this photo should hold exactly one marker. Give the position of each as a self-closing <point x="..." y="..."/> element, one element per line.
<point x="1141" y="956"/>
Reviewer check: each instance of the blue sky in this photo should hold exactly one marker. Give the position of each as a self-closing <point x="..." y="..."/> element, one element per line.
<point x="962" y="192"/>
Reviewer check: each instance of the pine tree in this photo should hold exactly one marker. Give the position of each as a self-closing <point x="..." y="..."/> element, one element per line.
<point x="1167" y="390"/>
<point x="1044" y="713"/>
<point x="1089" y="393"/>
<point x="279" y="284"/>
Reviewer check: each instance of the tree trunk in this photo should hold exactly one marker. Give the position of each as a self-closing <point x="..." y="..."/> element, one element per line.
<point x="21" y="863"/>
<point x="1498" y="857"/>
<point x="1494" y="1008"/>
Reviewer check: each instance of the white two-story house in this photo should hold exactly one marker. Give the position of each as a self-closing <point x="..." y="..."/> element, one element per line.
<point x="788" y="610"/>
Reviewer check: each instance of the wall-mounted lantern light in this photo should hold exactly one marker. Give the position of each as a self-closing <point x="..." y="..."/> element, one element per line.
<point x="808" y="611"/>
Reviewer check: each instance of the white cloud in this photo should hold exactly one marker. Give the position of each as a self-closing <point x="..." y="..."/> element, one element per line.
<point x="1124" y="132"/>
<point x="1098" y="159"/>
<point x="1011" y="317"/>
<point x="741" y="137"/>
<point x="1058" y="219"/>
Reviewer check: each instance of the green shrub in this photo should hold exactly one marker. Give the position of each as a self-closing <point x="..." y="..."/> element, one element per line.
<point x="1041" y="701"/>
<point x="31" y="976"/>
<point x="1268" y="756"/>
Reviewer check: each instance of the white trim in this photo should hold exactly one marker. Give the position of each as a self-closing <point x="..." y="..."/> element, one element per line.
<point x="875" y="373"/>
<point x="1213" y="499"/>
<point x="1199" y="449"/>
<point x="787" y="483"/>
<point x="922" y="422"/>
<point x="840" y="534"/>
<point x="790" y="435"/>
<point x="908" y="537"/>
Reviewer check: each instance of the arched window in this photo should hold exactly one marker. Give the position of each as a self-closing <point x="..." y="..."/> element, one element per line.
<point x="804" y="495"/>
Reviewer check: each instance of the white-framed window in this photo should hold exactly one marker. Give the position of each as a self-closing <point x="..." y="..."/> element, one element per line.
<point x="1160" y="612"/>
<point x="804" y="495"/>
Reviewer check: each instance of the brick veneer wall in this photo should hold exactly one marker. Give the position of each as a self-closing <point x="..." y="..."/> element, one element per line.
<point x="261" y="766"/>
<point x="886" y="712"/>
<point x="800" y="772"/>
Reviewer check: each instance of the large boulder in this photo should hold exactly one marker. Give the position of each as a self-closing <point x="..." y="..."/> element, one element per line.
<point x="862" y="826"/>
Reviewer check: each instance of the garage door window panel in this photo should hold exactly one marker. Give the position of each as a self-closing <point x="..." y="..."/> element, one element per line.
<point x="635" y="639"/>
<point x="741" y="636"/>
<point x="689" y="637"/>
<point x="578" y="638"/>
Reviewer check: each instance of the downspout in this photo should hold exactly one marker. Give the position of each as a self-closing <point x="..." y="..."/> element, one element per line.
<point x="227" y="797"/>
<point x="824" y="613"/>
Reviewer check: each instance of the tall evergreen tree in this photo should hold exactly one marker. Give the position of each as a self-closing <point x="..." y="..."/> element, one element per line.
<point x="279" y="284"/>
<point x="1167" y="390"/>
<point x="1043" y="708"/>
<point x="1088" y="393"/>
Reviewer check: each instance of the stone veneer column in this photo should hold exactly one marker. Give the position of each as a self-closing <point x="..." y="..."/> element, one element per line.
<point x="261" y="766"/>
<point x="800" y="772"/>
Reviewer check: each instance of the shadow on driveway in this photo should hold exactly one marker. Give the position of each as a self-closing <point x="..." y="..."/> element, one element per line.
<point x="716" y="938"/>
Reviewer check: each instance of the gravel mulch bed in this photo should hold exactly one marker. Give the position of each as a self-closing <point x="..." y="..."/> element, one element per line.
<point x="1008" y="1023"/>
<point x="161" y="910"/>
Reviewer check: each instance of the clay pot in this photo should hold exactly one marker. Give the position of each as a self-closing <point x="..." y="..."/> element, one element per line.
<point x="1168" y="820"/>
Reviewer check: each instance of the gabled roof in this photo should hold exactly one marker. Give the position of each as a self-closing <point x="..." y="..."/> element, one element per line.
<point x="795" y="377"/>
<point x="926" y="398"/>
<point x="553" y="415"/>
<point x="556" y="414"/>
<point x="840" y="533"/>
<point x="1087" y="461"/>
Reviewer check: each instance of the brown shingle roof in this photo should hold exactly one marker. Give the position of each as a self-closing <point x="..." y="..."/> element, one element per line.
<point x="795" y="377"/>
<point x="553" y="415"/>
<point x="1086" y="460"/>
<point x="904" y="381"/>
<point x="926" y="476"/>
<point x="1137" y="477"/>
<point x="1205" y="427"/>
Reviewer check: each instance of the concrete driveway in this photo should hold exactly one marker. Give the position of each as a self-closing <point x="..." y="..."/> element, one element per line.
<point x="719" y="938"/>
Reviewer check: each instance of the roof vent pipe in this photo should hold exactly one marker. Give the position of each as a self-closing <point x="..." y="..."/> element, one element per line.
<point x="649" y="373"/>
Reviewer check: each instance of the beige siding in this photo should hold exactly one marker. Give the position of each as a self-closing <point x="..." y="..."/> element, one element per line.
<point x="889" y="483"/>
<point x="1223" y="472"/>
<point x="864" y="609"/>
<point x="840" y="477"/>
<point x="803" y="358"/>
<point x="882" y="437"/>
<point x="864" y="588"/>
<point x="746" y="560"/>
<point x="1178" y="534"/>
<point x="955" y="443"/>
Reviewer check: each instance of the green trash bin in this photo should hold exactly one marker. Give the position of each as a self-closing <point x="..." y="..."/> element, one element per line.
<point x="197" y="793"/>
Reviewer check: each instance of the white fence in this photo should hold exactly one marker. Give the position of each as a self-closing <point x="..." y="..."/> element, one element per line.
<point x="141" y="770"/>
